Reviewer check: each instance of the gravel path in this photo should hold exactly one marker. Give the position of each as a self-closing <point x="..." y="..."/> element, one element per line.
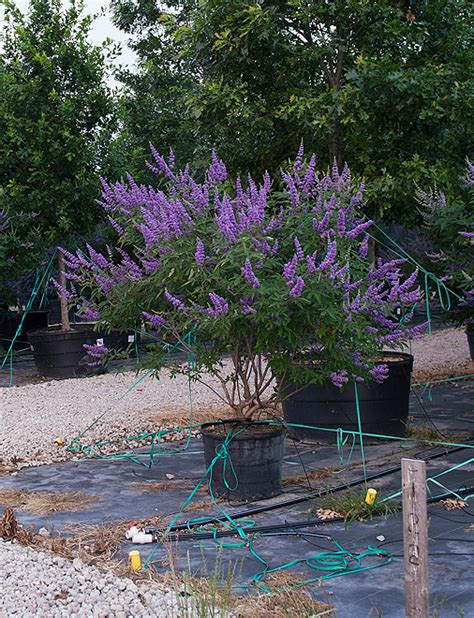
<point x="34" y="415"/>
<point x="38" y="584"/>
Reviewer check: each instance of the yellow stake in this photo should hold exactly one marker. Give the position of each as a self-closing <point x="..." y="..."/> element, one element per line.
<point x="59" y="441"/>
<point x="135" y="560"/>
<point x="371" y="496"/>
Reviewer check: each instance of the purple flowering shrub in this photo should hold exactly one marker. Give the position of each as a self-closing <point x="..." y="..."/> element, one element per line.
<point x="263" y="276"/>
<point x="450" y="228"/>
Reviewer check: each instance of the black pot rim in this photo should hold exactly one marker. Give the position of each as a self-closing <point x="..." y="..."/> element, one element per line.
<point x="401" y="357"/>
<point x="279" y="430"/>
<point x="56" y="329"/>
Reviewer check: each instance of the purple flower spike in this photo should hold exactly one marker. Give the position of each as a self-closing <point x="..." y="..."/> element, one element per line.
<point x="217" y="171"/>
<point x="249" y="275"/>
<point x="297" y="288"/>
<point x="221" y="307"/>
<point x="359" y="229"/>
<point x="379" y="372"/>
<point x="118" y="228"/>
<point x="341" y="222"/>
<point x="96" y="353"/>
<point x="311" y="262"/>
<point x="247" y="306"/>
<point x="299" y="249"/>
<point x="177" y="304"/>
<point x="154" y="320"/>
<point x="289" y="269"/>
<point x="200" y="256"/>
<point x="339" y="378"/>
<point x="364" y="248"/>
<point x="330" y="256"/>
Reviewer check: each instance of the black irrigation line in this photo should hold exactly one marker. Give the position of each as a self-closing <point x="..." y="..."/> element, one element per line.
<point x="186" y="526"/>
<point x="306" y="523"/>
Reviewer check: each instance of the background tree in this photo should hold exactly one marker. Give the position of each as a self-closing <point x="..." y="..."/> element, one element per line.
<point x="56" y="115"/>
<point x="385" y="85"/>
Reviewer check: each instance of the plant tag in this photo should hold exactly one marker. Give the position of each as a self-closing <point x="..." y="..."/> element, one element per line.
<point x="100" y="342"/>
<point x="131" y="338"/>
<point x="31" y="347"/>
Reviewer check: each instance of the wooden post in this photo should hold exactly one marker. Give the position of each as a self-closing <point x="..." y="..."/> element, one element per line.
<point x="415" y="538"/>
<point x="63" y="301"/>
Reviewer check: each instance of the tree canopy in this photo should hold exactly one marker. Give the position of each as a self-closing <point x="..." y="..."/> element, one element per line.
<point x="56" y="115"/>
<point x="385" y="85"/>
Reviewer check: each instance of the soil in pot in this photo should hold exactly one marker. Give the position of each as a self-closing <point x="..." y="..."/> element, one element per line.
<point x="58" y="353"/>
<point x="250" y="468"/>
<point x="383" y="407"/>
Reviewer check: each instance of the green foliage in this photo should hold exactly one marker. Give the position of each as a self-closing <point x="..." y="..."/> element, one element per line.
<point x="386" y="85"/>
<point x="55" y="125"/>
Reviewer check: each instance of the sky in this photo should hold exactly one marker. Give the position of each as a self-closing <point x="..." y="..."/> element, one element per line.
<point x="102" y="28"/>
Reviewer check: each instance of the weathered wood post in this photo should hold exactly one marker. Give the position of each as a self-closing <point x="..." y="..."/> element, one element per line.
<point x="415" y="538"/>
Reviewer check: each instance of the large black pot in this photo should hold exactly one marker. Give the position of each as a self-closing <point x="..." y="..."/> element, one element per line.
<point x="383" y="407"/>
<point x="10" y="323"/>
<point x="255" y="455"/>
<point x="470" y="341"/>
<point x="58" y="353"/>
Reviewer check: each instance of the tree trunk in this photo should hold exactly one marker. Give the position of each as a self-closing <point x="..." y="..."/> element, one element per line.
<point x="65" y="325"/>
<point x="335" y="151"/>
<point x="372" y="253"/>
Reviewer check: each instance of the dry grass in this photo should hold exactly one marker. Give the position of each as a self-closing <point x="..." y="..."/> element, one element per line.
<point x="46" y="502"/>
<point x="152" y="487"/>
<point x="453" y="504"/>
<point x="157" y="486"/>
<point x="287" y="598"/>
<point x="94" y="545"/>
<point x="312" y="475"/>
<point x="429" y="435"/>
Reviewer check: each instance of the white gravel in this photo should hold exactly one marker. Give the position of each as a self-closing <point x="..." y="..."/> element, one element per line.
<point x="37" y="584"/>
<point x="33" y="416"/>
<point x="445" y="353"/>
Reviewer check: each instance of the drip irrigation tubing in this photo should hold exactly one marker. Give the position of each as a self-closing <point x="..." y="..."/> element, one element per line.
<point x="314" y="494"/>
<point x="305" y="523"/>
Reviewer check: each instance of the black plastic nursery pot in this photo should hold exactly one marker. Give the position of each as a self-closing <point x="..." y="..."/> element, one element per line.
<point x="10" y="323"/>
<point x="250" y="462"/>
<point x="383" y="407"/>
<point x="58" y="353"/>
<point x="115" y="339"/>
<point x="470" y="341"/>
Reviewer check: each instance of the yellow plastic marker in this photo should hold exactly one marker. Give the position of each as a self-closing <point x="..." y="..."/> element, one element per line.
<point x="371" y="496"/>
<point x="59" y="441"/>
<point x="135" y="560"/>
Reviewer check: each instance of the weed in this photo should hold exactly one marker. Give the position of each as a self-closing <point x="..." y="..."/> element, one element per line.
<point x="352" y="506"/>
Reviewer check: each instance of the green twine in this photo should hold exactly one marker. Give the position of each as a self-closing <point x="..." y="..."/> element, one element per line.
<point x="341" y="442"/>
<point x="330" y="563"/>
